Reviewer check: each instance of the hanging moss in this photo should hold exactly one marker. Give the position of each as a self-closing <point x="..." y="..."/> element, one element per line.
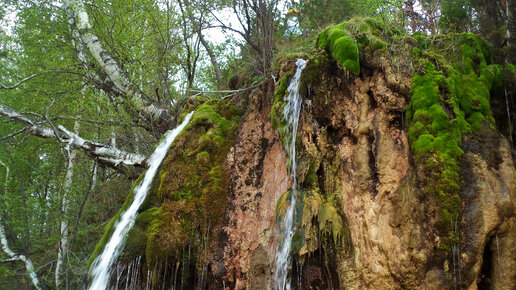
<point x="279" y="103"/>
<point x="194" y="183"/>
<point x="445" y="104"/>
<point x="187" y="196"/>
<point x="321" y="222"/>
<point x="341" y="46"/>
<point x="344" y="41"/>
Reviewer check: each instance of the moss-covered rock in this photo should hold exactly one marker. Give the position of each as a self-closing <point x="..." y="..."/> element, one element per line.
<point x="187" y="198"/>
<point x="341" y="46"/>
<point x="445" y="104"/>
<point x="345" y="41"/>
<point x="193" y="188"/>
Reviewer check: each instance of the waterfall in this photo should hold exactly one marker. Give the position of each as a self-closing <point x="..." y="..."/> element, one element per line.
<point x="100" y="269"/>
<point x="291" y="116"/>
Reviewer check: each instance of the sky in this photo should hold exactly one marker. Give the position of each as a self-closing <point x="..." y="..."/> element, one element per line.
<point x="9" y="20"/>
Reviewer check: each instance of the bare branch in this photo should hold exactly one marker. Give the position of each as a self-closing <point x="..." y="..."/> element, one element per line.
<point x="225" y="91"/>
<point x="12" y="135"/>
<point x="13" y="259"/>
<point x="107" y="154"/>
<point x="18" y="83"/>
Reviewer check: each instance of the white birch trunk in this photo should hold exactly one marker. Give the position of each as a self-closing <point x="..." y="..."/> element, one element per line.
<point x="65" y="205"/>
<point x="510" y="6"/>
<point x="5" y="245"/>
<point x="105" y="153"/>
<point x="113" y="136"/>
<point x="112" y="69"/>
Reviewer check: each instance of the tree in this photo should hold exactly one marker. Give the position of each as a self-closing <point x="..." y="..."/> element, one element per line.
<point x="257" y="20"/>
<point x="5" y="244"/>
<point x="456" y="15"/>
<point x="320" y="13"/>
<point x="511" y="31"/>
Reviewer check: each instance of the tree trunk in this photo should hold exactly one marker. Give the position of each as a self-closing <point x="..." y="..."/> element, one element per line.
<point x="213" y="59"/>
<point x="108" y="155"/>
<point x="413" y="24"/>
<point x="511" y="32"/>
<point x="116" y="81"/>
<point x="5" y="245"/>
<point x="65" y="205"/>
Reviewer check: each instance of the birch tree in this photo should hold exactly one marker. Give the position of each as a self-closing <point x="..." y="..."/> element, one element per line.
<point x="5" y="244"/>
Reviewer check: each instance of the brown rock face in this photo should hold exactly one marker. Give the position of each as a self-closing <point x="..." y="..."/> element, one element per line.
<point x="362" y="221"/>
<point x="258" y="175"/>
<point x="489" y="223"/>
<point x="353" y="137"/>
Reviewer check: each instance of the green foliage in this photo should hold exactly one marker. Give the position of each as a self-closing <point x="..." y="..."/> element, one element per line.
<point x="316" y="14"/>
<point x="455" y="15"/>
<point x="321" y="13"/>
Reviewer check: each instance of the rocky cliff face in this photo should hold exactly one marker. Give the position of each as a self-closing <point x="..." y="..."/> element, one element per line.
<point x="376" y="211"/>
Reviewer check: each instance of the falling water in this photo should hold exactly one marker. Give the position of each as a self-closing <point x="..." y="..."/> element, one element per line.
<point x="508" y="117"/>
<point x="291" y="115"/>
<point x="100" y="270"/>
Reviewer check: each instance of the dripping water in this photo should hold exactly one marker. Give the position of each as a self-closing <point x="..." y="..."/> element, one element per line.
<point x="498" y="254"/>
<point x="164" y="275"/>
<point x="148" y="280"/>
<point x="100" y="270"/>
<point x="508" y="116"/>
<point x="291" y="116"/>
<point x="128" y="277"/>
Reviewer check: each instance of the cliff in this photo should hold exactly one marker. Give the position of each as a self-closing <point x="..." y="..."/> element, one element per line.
<point x="404" y="177"/>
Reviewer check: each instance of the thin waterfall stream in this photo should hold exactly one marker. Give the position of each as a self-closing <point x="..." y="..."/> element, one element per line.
<point x="291" y="113"/>
<point x="507" y="108"/>
<point x="101" y="267"/>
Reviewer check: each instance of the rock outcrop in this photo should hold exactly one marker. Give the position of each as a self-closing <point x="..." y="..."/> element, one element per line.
<point x="375" y="211"/>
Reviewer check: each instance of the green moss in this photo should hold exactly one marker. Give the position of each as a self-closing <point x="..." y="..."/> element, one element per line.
<point x="341" y="46"/>
<point x="322" y="39"/>
<point x="279" y="103"/>
<point x="344" y="41"/>
<point x="445" y="105"/>
<point x="345" y="52"/>
<point x="311" y="179"/>
<point x="194" y="188"/>
<point x="320" y="222"/>
<point x="187" y="198"/>
<point x="203" y="158"/>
